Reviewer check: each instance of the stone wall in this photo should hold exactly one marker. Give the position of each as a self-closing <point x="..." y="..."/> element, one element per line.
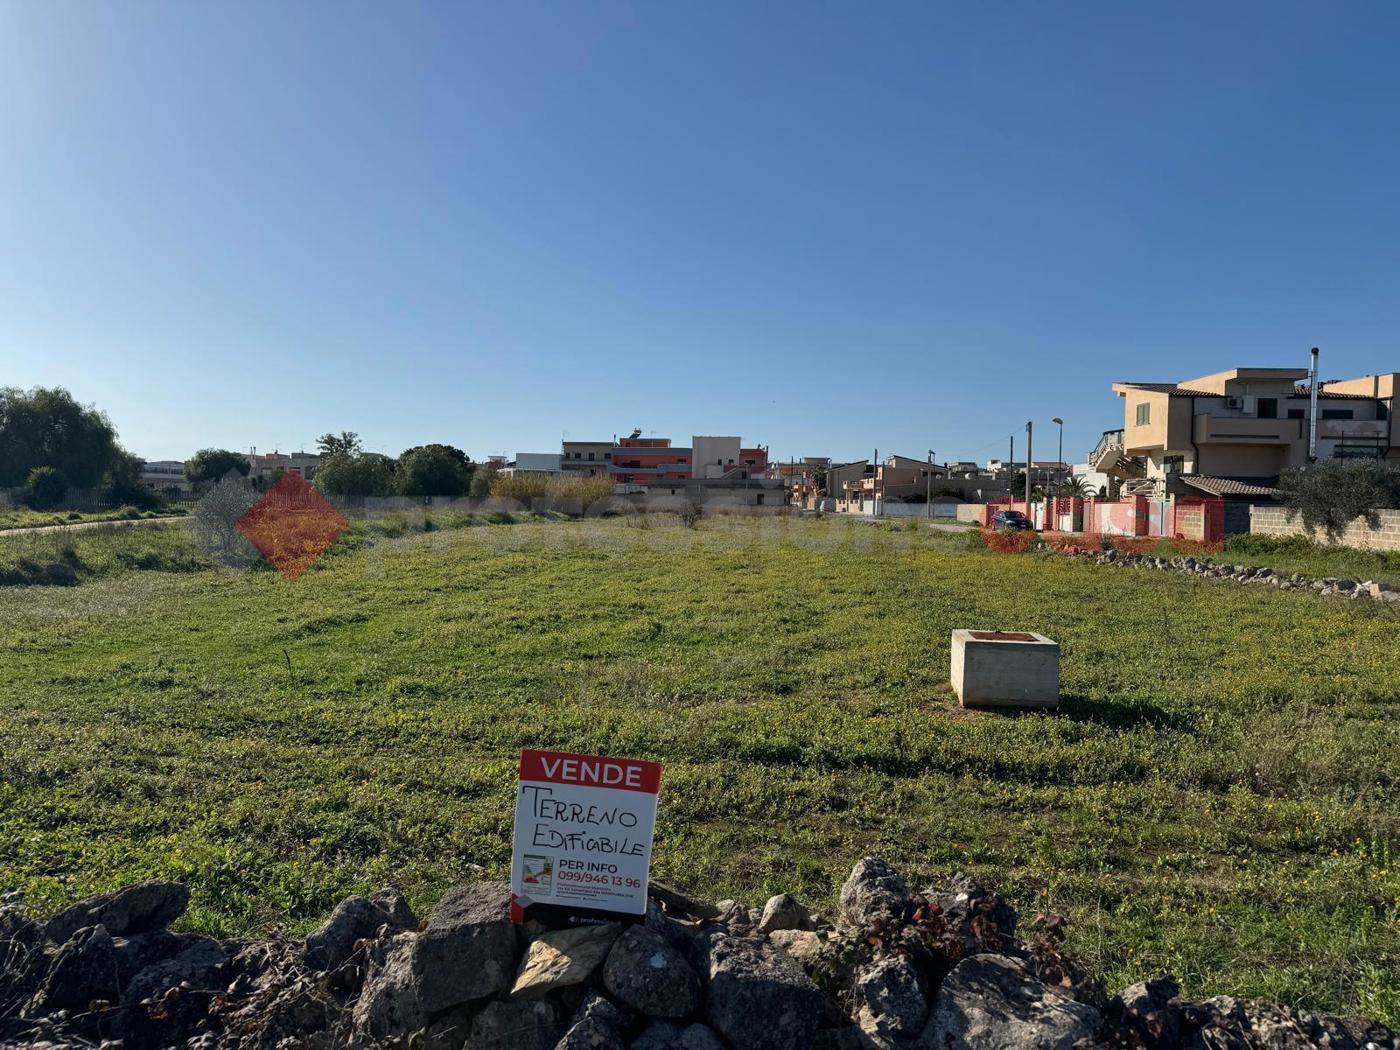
<point x="971" y="512"/>
<point x="1273" y="521"/>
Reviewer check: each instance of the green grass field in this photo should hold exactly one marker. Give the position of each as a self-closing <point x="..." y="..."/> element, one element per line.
<point x="1218" y="797"/>
<point x="24" y="518"/>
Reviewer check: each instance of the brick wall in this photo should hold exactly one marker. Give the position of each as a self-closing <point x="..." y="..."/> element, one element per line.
<point x="1273" y="521"/>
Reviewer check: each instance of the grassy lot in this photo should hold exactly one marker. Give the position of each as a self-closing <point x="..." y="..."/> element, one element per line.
<point x="24" y="518"/>
<point x="1219" y="796"/>
<point x="1299" y="554"/>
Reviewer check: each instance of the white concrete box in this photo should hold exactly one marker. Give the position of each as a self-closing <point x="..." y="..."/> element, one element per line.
<point x="1006" y="669"/>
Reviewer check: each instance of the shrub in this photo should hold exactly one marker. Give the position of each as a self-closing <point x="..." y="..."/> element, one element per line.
<point x="524" y="488"/>
<point x="45" y="488"/>
<point x="1331" y="494"/>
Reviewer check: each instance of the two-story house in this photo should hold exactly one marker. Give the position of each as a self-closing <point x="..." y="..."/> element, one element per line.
<point x="1235" y="432"/>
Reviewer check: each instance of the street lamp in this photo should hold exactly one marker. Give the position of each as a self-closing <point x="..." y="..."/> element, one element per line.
<point x="928" y="486"/>
<point x="1060" y="456"/>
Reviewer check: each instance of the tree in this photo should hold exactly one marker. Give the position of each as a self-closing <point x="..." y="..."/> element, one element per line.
<point x="346" y="443"/>
<point x="1330" y="494"/>
<point x="366" y="474"/>
<point x="482" y="478"/>
<point x="434" y="470"/>
<point x="45" y="488"/>
<point x="124" y="486"/>
<point x="49" y="428"/>
<point x="213" y="464"/>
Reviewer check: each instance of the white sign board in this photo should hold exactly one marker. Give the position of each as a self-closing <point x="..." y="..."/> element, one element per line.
<point x="583" y="831"/>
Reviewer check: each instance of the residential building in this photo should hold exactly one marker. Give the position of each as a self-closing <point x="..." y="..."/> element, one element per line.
<point x="590" y="458"/>
<point x="728" y="490"/>
<point x="272" y="465"/>
<point x="166" y="476"/>
<point x="534" y="463"/>
<point x="907" y="479"/>
<point x="638" y="460"/>
<point x="1233" y="433"/>
<point x="716" y="456"/>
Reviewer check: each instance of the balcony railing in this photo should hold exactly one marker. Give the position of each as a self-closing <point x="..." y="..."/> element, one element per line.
<point x="1110" y="439"/>
<point x="1364" y="429"/>
<point x="1245" y="430"/>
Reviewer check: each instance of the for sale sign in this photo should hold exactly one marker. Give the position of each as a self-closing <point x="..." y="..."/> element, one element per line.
<point x="583" y="830"/>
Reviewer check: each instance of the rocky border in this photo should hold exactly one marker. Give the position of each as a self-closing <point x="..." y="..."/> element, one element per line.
<point x="894" y="969"/>
<point x="1329" y="585"/>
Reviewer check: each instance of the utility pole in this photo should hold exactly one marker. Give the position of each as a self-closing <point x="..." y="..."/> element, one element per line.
<point x="875" y="486"/>
<point x="928" y="486"/>
<point x="1028" y="470"/>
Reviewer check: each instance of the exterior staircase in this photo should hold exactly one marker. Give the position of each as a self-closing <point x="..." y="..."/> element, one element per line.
<point x="1109" y="457"/>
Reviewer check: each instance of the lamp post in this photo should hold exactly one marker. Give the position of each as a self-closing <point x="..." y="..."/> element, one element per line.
<point x="928" y="486"/>
<point x="1061" y="454"/>
<point x="1028" y="468"/>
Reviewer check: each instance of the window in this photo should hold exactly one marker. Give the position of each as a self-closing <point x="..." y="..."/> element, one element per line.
<point x="590" y="455"/>
<point x="1297" y="413"/>
<point x="1173" y="464"/>
<point x="1268" y="408"/>
<point x="1336" y="413"/>
<point x="1144" y="414"/>
<point x="1382" y="410"/>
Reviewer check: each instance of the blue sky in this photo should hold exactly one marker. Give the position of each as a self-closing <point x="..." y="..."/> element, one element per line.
<point x="828" y="228"/>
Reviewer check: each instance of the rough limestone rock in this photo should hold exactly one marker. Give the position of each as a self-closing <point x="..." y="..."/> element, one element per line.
<point x="990" y="1002"/>
<point x="354" y="919"/>
<point x="395" y="905"/>
<point x="1148" y="1009"/>
<point x="561" y="958"/>
<point x="389" y="1005"/>
<point x="136" y="953"/>
<point x="201" y="965"/>
<point x="84" y="970"/>
<point x="469" y="949"/>
<point x="649" y="975"/>
<point x="783" y="912"/>
<point x="891" y="999"/>
<point x="803" y="945"/>
<point x="515" y="1025"/>
<point x="134" y="909"/>
<point x="667" y="1035"/>
<point x="873" y="891"/>
<point x="598" y="1025"/>
<point x="759" y="998"/>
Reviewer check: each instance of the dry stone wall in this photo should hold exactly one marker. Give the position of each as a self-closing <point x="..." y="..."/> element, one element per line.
<point x="950" y="967"/>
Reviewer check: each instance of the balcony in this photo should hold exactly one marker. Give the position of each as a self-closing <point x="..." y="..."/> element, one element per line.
<point x="1246" y="430"/>
<point x="1354" y="429"/>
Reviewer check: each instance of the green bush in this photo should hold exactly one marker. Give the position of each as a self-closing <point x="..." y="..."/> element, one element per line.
<point x="45" y="488"/>
<point x="1331" y="494"/>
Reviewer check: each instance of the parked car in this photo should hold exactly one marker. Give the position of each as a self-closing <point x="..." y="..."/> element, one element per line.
<point x="1011" y="519"/>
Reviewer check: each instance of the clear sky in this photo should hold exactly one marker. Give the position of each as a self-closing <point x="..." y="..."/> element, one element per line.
<point x="825" y="227"/>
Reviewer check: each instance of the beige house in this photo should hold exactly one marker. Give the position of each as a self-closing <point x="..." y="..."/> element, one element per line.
<point x="589" y="458"/>
<point x="1240" y="429"/>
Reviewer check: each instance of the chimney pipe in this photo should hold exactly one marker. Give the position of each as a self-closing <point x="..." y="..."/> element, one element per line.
<point x="1312" y="412"/>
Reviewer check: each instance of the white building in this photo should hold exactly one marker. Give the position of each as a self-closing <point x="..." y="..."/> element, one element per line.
<point x="713" y="457"/>
<point x="535" y="463"/>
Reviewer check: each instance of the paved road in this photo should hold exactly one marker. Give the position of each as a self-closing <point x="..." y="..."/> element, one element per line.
<point x="78" y="526"/>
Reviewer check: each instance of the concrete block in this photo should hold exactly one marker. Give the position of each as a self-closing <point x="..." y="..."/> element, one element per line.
<point x="1016" y="669"/>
